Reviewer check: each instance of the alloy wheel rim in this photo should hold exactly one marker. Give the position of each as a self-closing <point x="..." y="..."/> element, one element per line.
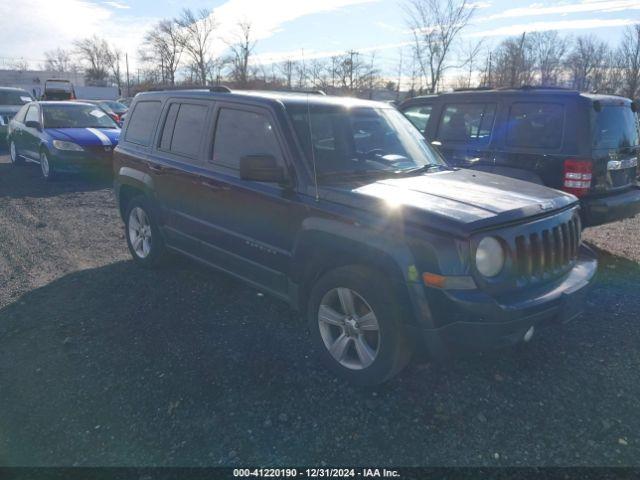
<point x="44" y="165"/>
<point x="349" y="328"/>
<point x="140" y="232"/>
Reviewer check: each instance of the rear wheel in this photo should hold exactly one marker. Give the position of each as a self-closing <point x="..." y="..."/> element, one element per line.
<point x="355" y="321"/>
<point x="144" y="239"/>
<point x="46" y="167"/>
<point x="16" y="159"/>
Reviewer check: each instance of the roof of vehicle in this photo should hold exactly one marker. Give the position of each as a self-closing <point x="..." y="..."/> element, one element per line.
<point x="528" y="91"/>
<point x="13" y="89"/>
<point x="63" y="102"/>
<point x="268" y="97"/>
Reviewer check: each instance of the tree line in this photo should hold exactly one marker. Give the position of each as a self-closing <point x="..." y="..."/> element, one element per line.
<point x="188" y="50"/>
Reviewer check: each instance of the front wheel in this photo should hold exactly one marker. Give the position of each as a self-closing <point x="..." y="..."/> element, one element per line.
<point x="46" y="167"/>
<point x="16" y="159"/>
<point x="144" y="239"/>
<point x="355" y="321"/>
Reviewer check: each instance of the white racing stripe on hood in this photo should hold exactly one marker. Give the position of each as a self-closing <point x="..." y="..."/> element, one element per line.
<point x="101" y="136"/>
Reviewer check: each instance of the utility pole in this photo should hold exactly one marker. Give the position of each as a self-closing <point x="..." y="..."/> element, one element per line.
<point x="126" y="59"/>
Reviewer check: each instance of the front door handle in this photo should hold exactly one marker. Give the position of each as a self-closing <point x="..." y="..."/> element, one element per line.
<point x="214" y="185"/>
<point x="156" y="168"/>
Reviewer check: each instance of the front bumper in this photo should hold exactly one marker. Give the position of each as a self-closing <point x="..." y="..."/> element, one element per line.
<point x="599" y="210"/>
<point x="484" y="322"/>
<point x="76" y="162"/>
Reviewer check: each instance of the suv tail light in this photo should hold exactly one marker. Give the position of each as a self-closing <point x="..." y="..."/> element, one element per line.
<point x="577" y="176"/>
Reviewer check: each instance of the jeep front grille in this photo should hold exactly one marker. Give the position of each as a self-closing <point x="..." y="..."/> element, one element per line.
<point x="547" y="253"/>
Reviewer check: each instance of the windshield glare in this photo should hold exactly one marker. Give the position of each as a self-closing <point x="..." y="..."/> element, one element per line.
<point x="360" y="140"/>
<point x="615" y="127"/>
<point x="76" y="116"/>
<point x="14" y="98"/>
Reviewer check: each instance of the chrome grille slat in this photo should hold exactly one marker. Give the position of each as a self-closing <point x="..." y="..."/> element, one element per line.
<point x="547" y="252"/>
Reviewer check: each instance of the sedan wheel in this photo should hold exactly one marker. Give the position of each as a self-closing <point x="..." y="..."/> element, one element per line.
<point x="13" y="152"/>
<point x="45" y="166"/>
<point x="349" y="328"/>
<point x="140" y="235"/>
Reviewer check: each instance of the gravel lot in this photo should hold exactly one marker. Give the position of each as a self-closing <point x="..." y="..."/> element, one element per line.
<point x="102" y="363"/>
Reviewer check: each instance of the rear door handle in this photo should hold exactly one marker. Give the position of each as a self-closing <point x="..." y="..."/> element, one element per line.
<point x="156" y="168"/>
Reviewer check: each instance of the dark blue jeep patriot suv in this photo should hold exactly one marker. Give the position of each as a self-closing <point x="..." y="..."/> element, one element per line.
<point x="341" y="208"/>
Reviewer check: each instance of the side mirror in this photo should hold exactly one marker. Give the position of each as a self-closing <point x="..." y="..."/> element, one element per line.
<point x="261" y="168"/>
<point x="33" y="124"/>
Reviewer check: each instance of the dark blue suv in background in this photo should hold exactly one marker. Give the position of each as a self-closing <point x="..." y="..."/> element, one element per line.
<point x="339" y="207"/>
<point x="584" y="144"/>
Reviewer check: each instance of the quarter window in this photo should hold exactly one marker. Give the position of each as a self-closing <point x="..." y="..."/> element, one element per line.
<point x="241" y="133"/>
<point x="467" y="122"/>
<point x="183" y="129"/>
<point x="535" y="125"/>
<point x="142" y="122"/>
<point x="419" y="115"/>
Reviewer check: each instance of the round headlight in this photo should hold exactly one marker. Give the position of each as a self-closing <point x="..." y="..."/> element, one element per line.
<point x="489" y="257"/>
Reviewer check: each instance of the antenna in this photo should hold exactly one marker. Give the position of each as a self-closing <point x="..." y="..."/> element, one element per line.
<point x="313" y="151"/>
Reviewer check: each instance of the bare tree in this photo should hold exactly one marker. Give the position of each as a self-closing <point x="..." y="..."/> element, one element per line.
<point x="586" y="62"/>
<point x="114" y="61"/>
<point x="197" y="28"/>
<point x="20" y="64"/>
<point x="549" y="50"/>
<point x="513" y="63"/>
<point x="58" y="60"/>
<point x="628" y="62"/>
<point x="287" y="69"/>
<point x="163" y="46"/>
<point x="470" y="57"/>
<point x="436" y="26"/>
<point x="95" y="54"/>
<point x="241" y="49"/>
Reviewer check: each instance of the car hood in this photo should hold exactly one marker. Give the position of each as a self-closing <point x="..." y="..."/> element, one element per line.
<point x="87" y="137"/>
<point x="460" y="201"/>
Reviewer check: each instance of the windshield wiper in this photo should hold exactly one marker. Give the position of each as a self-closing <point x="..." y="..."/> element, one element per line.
<point x="423" y="169"/>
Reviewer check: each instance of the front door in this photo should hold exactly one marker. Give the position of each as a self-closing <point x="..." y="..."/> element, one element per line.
<point x="249" y="227"/>
<point x="30" y="137"/>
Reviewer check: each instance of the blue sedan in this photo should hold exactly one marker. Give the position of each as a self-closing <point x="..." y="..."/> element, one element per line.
<point x="63" y="137"/>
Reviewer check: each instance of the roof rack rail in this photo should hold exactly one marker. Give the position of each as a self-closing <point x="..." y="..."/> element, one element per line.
<point x="310" y="92"/>
<point x="471" y="89"/>
<point x="219" y="89"/>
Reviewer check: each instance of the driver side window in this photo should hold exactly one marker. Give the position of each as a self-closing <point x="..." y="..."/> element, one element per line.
<point x="32" y="114"/>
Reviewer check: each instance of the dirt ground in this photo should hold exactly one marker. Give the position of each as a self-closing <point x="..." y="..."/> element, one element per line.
<point x="102" y="363"/>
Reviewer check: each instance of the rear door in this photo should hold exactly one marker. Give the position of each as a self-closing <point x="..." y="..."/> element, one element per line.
<point x="616" y="147"/>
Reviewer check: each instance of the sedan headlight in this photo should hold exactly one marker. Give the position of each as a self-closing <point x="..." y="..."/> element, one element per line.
<point x="490" y="257"/>
<point x="62" y="145"/>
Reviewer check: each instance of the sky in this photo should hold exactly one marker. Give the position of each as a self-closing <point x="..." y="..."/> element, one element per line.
<point x="294" y="28"/>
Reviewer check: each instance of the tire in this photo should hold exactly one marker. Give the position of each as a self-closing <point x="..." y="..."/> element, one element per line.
<point x="361" y="355"/>
<point x="142" y="232"/>
<point x="46" y="167"/>
<point x="14" y="155"/>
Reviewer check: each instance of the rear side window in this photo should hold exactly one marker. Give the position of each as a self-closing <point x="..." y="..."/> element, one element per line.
<point x="535" y="125"/>
<point x="419" y="115"/>
<point x="183" y="129"/>
<point x="142" y="122"/>
<point x="467" y="122"/>
<point x="614" y="127"/>
<point x="240" y="133"/>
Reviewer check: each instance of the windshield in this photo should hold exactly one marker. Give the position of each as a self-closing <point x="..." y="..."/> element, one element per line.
<point x="615" y="127"/>
<point x="76" y="116"/>
<point x="115" y="106"/>
<point x="360" y="140"/>
<point x="14" y="97"/>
